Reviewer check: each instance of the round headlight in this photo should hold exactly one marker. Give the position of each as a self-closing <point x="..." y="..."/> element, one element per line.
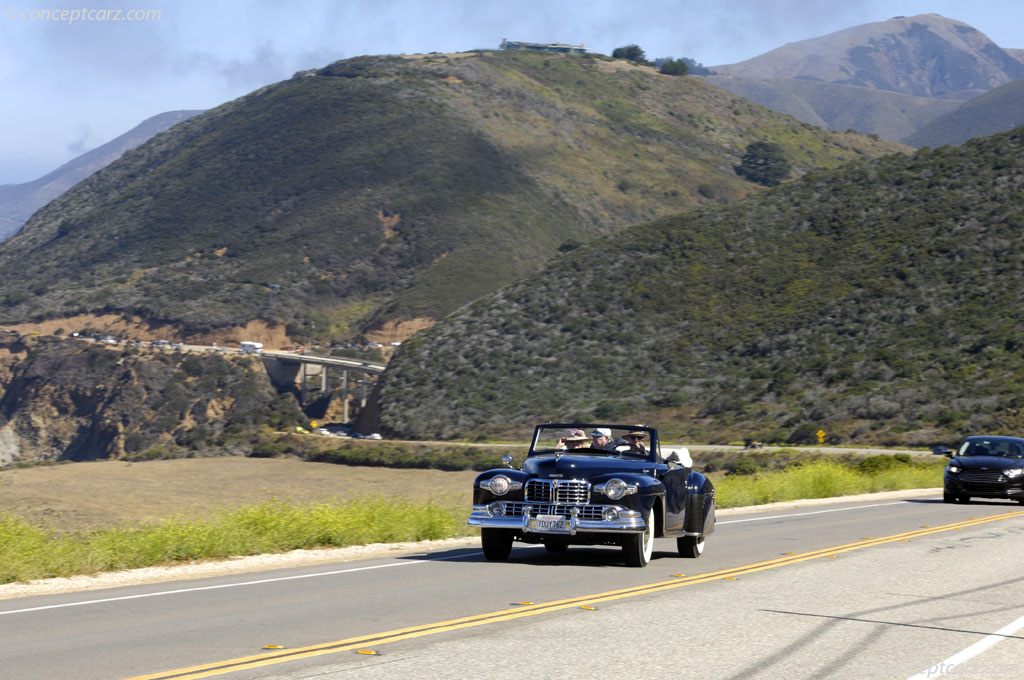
<point x="614" y="488"/>
<point x="499" y="485"/>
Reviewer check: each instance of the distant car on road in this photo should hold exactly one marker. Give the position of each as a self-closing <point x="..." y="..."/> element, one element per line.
<point x="985" y="467"/>
<point x="594" y="485"/>
<point x="248" y="347"/>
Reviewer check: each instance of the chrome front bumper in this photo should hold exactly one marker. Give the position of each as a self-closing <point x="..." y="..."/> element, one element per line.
<point x="626" y="522"/>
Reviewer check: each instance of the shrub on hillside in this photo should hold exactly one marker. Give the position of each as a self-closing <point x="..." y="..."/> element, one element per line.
<point x="876" y="464"/>
<point x="764" y="163"/>
<point x="631" y="53"/>
<point x="804" y="434"/>
<point x="744" y="466"/>
<point x="674" y="67"/>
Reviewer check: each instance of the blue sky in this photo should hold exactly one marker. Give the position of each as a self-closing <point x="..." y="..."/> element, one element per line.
<point x="67" y="86"/>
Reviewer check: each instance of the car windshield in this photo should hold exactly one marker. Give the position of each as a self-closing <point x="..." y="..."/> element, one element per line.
<point x="995" y="446"/>
<point x="625" y="441"/>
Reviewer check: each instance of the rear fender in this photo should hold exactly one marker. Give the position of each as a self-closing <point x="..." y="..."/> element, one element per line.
<point x="700" y="505"/>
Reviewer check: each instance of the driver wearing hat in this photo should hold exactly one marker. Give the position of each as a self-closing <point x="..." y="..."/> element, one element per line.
<point x="635" y="440"/>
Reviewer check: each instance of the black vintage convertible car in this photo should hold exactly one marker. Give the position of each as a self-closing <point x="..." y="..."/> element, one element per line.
<point x="595" y="485"/>
<point x="985" y="467"/>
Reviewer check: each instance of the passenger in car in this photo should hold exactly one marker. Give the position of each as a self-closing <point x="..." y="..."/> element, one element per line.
<point x="576" y="439"/>
<point x="601" y="438"/>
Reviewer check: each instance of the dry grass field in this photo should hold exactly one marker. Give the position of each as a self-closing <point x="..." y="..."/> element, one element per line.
<point x="84" y="496"/>
<point x="92" y="495"/>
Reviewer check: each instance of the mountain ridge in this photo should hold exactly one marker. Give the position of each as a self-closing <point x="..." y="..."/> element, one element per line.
<point x="382" y="189"/>
<point x="19" y="201"/>
<point x="836" y="106"/>
<point x="993" y="112"/>
<point x="925" y="55"/>
<point x="853" y="78"/>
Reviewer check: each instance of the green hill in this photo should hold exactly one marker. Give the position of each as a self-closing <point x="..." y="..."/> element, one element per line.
<point x="384" y="188"/>
<point x="880" y="302"/>
<point x="1000" y="110"/>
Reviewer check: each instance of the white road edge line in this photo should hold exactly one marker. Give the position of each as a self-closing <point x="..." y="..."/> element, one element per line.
<point x="952" y="664"/>
<point x="800" y="514"/>
<point x="403" y="563"/>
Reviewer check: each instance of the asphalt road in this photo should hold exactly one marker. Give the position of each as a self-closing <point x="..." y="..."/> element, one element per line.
<point x="875" y="589"/>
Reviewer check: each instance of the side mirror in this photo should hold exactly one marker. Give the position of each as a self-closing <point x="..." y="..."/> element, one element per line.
<point x="507" y="461"/>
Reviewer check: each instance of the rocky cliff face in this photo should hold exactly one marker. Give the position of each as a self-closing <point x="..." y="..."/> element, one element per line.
<point x="74" y="400"/>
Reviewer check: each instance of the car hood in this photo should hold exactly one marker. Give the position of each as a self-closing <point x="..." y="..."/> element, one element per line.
<point x="987" y="462"/>
<point x="579" y="467"/>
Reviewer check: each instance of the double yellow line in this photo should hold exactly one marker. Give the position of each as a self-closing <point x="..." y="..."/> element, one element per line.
<point x="362" y="643"/>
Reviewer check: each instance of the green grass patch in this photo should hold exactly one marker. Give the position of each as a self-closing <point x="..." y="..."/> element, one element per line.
<point x="29" y="551"/>
<point x="823" y="479"/>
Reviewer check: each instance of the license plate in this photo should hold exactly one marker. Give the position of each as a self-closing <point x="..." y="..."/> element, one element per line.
<point x="550" y="523"/>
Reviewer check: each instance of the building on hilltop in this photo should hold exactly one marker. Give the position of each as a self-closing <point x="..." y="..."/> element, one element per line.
<point x="543" y="47"/>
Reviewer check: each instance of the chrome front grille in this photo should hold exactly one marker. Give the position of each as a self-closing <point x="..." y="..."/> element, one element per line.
<point x="515" y="509"/>
<point x="570" y="491"/>
<point x="990" y="477"/>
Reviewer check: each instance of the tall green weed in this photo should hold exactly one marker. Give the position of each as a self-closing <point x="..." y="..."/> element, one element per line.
<point x="821" y="479"/>
<point x="30" y="552"/>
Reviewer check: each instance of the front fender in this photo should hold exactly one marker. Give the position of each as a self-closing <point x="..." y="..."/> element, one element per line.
<point x="483" y="496"/>
<point x="647" y="489"/>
